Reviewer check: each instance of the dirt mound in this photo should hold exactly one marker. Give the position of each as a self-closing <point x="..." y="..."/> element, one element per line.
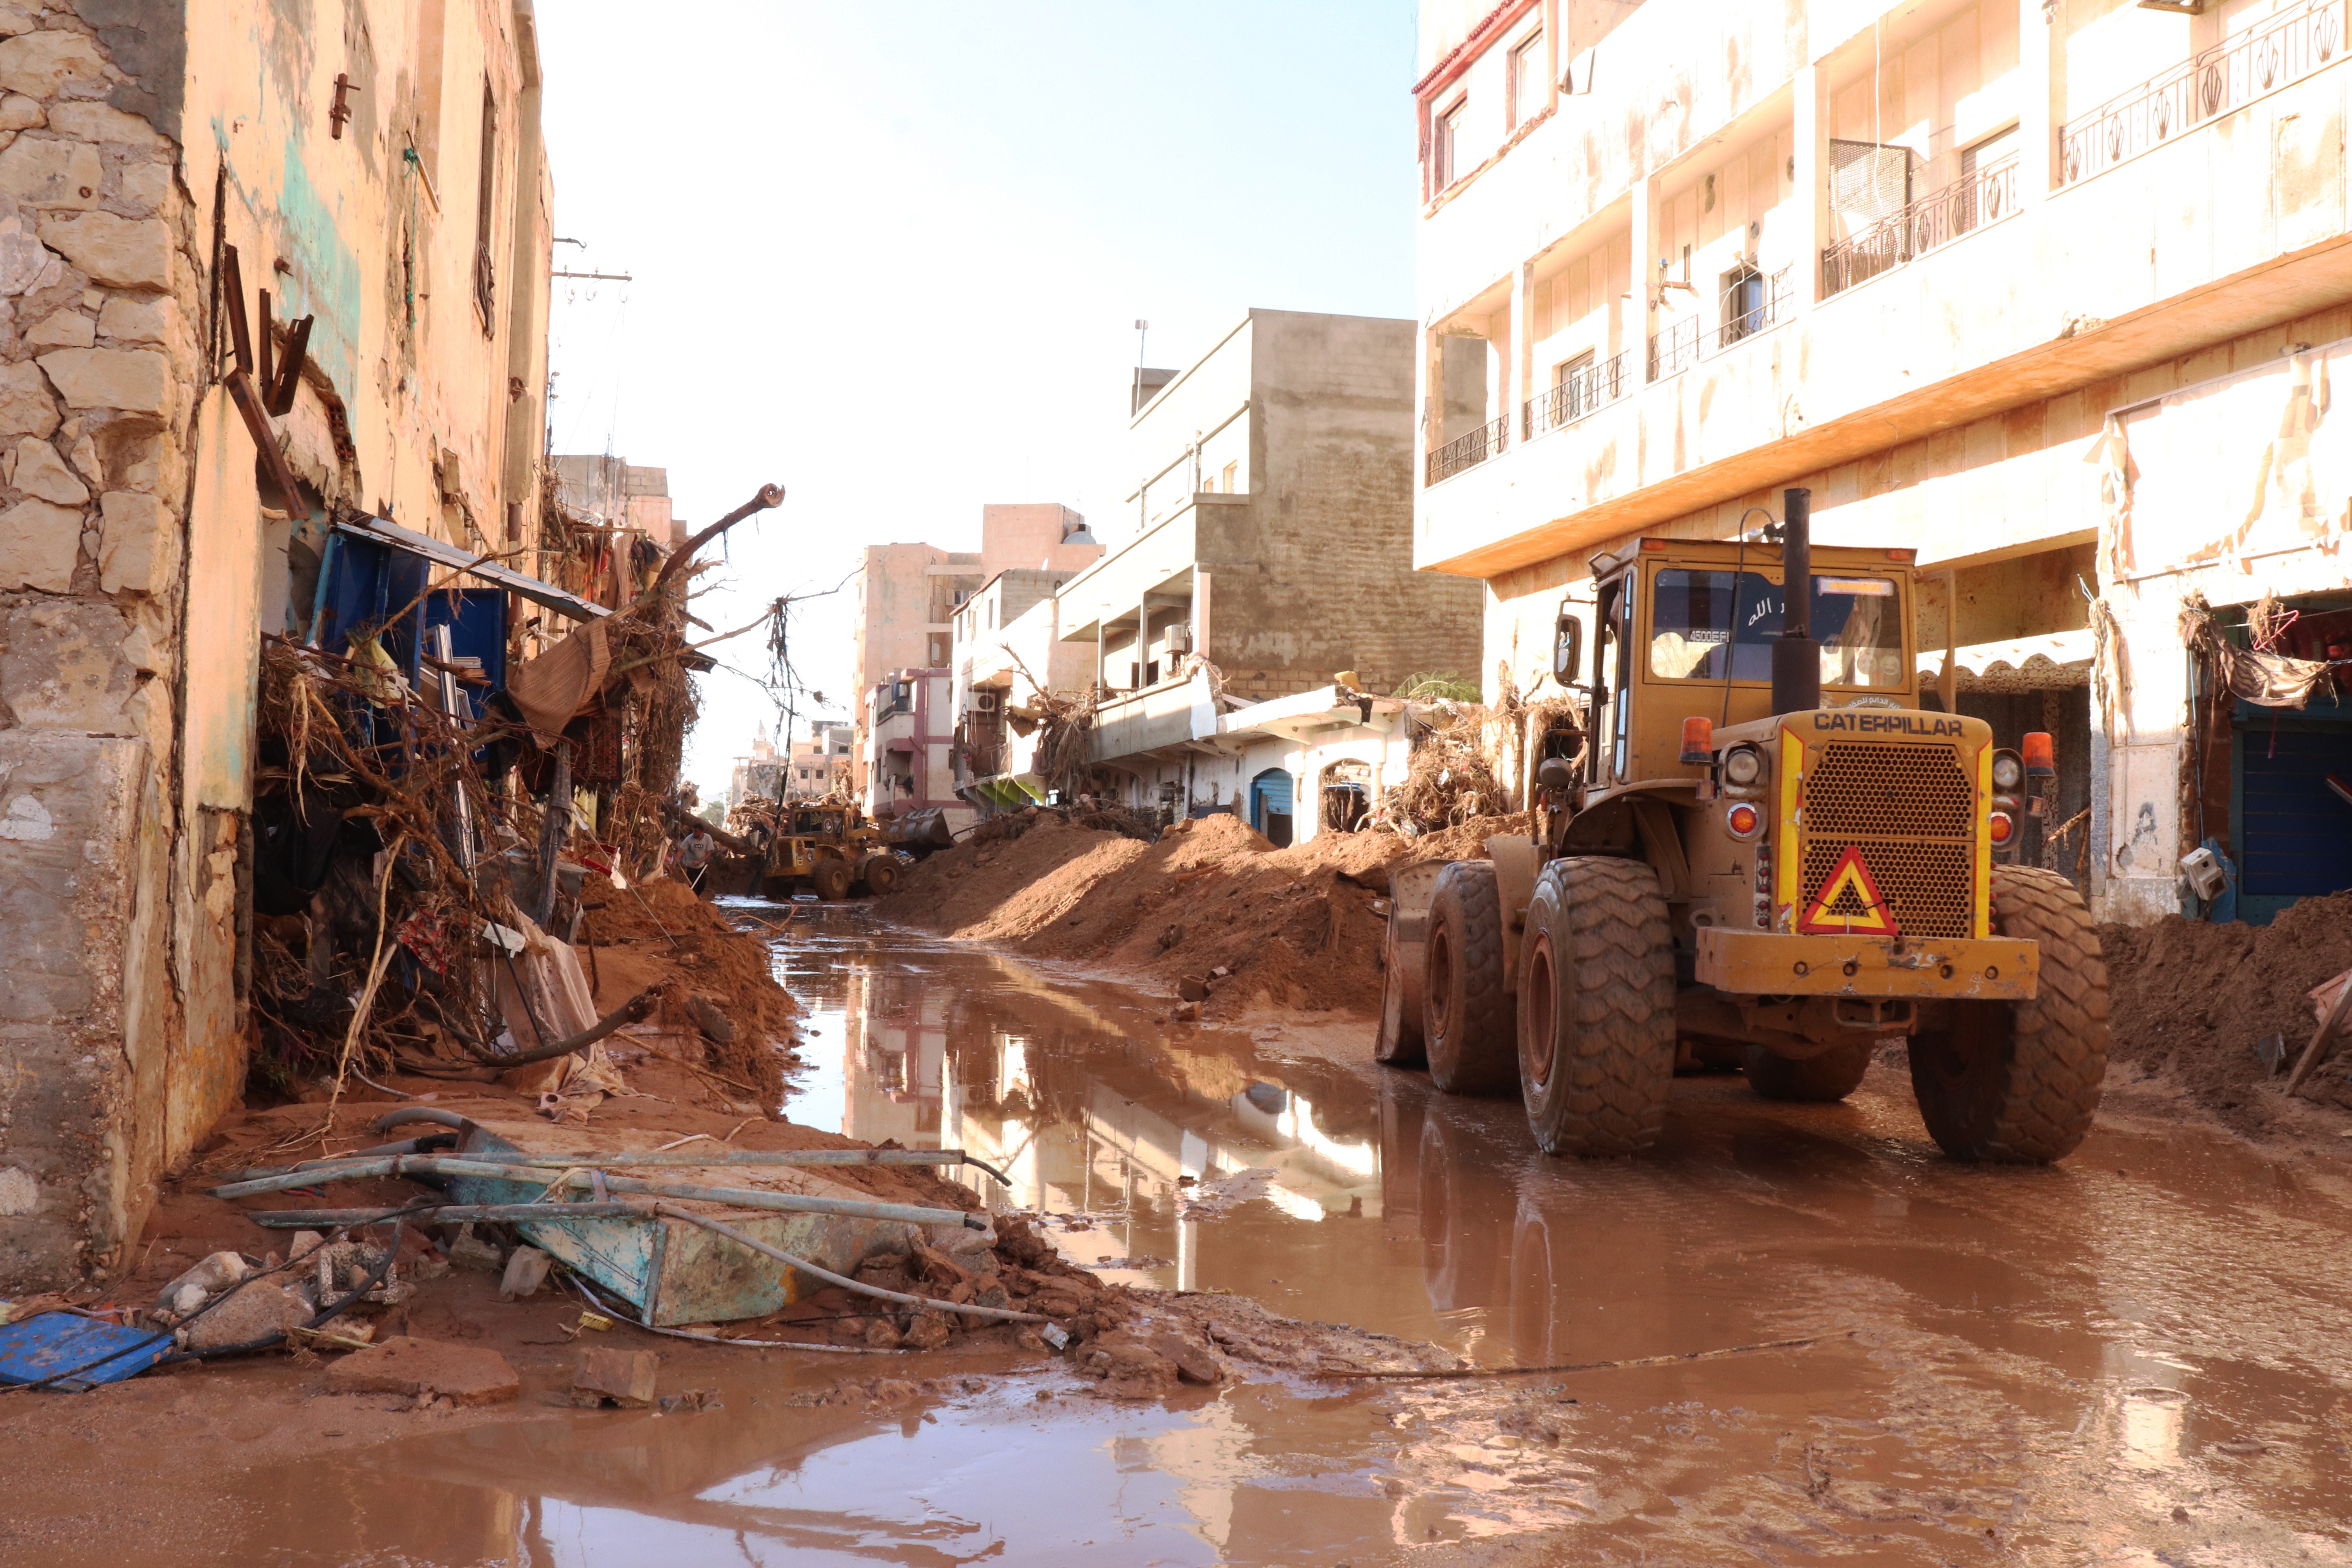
<point x="709" y="958"/>
<point x="1293" y="927"/>
<point x="2190" y="1001"/>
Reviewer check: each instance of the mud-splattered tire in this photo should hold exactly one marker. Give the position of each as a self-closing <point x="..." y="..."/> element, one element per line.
<point x="882" y="876"/>
<point x="2019" y="1081"/>
<point x="1596" y="1008"/>
<point x="1832" y="1075"/>
<point x="831" y="880"/>
<point x="1467" y="1014"/>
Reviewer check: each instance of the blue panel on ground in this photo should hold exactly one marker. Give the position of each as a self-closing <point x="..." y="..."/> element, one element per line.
<point x="2294" y="834"/>
<point x="54" y="1343"/>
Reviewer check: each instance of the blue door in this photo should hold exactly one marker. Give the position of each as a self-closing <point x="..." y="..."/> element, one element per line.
<point x="1270" y="806"/>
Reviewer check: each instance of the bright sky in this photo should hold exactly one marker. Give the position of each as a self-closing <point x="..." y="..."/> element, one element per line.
<point x="891" y="257"/>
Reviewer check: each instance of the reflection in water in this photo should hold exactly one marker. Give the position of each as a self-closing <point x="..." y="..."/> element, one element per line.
<point x="2134" y="1358"/>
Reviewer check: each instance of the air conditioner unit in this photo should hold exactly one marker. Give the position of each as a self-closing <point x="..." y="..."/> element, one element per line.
<point x="984" y="701"/>
<point x="1180" y="639"/>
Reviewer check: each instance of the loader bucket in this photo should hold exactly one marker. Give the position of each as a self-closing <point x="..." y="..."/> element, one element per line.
<point x="1411" y="889"/>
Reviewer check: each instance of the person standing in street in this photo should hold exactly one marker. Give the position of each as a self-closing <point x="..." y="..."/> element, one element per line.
<point x="694" y="857"/>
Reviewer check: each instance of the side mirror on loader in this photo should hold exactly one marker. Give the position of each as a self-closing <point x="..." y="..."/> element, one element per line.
<point x="1553" y="772"/>
<point x="1568" y="646"/>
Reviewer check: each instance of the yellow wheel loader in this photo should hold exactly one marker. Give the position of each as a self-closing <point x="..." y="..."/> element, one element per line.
<point x="1757" y="850"/>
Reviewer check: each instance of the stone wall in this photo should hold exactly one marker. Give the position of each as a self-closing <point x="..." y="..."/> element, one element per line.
<point x="100" y="284"/>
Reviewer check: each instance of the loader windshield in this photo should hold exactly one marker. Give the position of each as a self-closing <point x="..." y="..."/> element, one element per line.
<point x="1694" y="614"/>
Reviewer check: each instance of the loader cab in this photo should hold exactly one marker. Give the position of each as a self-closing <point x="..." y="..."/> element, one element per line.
<point x="1686" y="627"/>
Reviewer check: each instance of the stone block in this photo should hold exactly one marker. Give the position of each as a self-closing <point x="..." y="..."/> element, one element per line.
<point x="39" y="544"/>
<point x="258" y="1310"/>
<point x="147" y="186"/>
<point x="463" y="1374"/>
<point x="37" y="64"/>
<point x="18" y="112"/>
<point x="137" y="381"/>
<point x="16" y="19"/>
<point x="28" y="406"/>
<point x="68" y="819"/>
<point x="137" y="549"/>
<point x="47" y="173"/>
<point x="624" y="1378"/>
<point x="102" y="122"/>
<point x="38" y="471"/>
<point x="62" y="330"/>
<point x="65" y="664"/>
<point x="121" y="252"/>
<point x="25" y="264"/>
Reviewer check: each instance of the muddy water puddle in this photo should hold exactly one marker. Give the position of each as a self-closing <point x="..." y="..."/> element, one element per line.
<point x="2136" y="1358"/>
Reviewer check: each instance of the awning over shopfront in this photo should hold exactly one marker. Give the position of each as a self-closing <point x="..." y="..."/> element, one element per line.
<point x="384" y="530"/>
<point x="2021" y="663"/>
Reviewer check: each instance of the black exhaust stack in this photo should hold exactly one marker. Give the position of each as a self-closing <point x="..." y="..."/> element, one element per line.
<point x="1796" y="657"/>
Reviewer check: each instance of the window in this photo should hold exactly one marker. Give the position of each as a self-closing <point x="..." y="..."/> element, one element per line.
<point x="1232" y="476"/>
<point x="1572" y="388"/>
<point x="1694" y="616"/>
<point x="1982" y="195"/>
<point x="1743" y="303"/>
<point x="485" y="269"/>
<point x="1442" y="144"/>
<point x="1529" y="92"/>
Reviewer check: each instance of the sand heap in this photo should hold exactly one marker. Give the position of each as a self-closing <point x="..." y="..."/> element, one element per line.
<point x="625" y="945"/>
<point x="2191" y="1000"/>
<point x="1292" y="926"/>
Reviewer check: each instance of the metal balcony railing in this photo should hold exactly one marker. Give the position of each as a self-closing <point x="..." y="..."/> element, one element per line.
<point x="1576" y="395"/>
<point x="1468" y="451"/>
<point x="1757" y="306"/>
<point x="1975" y="202"/>
<point x="2281" y="49"/>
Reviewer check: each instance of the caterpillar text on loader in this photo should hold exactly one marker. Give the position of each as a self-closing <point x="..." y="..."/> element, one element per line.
<point x="1757" y="848"/>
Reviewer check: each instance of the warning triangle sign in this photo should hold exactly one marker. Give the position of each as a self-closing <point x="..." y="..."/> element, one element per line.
<point x="1848" y="903"/>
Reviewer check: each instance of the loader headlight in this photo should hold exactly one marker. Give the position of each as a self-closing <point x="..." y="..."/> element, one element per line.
<point x="1742" y="766"/>
<point x="2008" y="773"/>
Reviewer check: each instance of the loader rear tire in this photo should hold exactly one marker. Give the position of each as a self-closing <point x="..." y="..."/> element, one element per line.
<point x="1596" y="1008"/>
<point x="832" y="879"/>
<point x="882" y="875"/>
<point x="1832" y="1075"/>
<point x="2019" y="1081"/>
<point x="1468" y="1012"/>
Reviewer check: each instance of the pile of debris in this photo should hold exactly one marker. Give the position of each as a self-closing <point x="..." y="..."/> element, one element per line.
<point x="1210" y="909"/>
<point x="2218" y="1014"/>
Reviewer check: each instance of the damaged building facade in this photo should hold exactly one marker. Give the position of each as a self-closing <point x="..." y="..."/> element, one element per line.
<point x="244" y="247"/>
<point x="1271" y="555"/>
<point x="2045" y="293"/>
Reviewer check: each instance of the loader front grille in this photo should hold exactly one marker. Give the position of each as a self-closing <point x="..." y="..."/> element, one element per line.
<point x="1911" y="812"/>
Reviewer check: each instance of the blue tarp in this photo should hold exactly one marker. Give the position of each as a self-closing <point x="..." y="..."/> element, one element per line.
<point x="43" y="1347"/>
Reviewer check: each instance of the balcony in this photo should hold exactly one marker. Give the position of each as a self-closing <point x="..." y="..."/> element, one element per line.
<point x="1980" y="200"/>
<point x="1584" y="390"/>
<point x="1753" y="305"/>
<point x="1468" y="451"/>
<point x="2279" y="51"/>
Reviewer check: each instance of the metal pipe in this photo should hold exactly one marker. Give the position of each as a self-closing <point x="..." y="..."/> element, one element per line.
<point x="1796" y="657"/>
<point x="447" y="1214"/>
<point x="652" y="1159"/>
<point x="738" y="1197"/>
<point x="993" y="1314"/>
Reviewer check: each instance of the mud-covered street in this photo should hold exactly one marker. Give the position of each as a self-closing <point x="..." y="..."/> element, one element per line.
<point x="2132" y="1357"/>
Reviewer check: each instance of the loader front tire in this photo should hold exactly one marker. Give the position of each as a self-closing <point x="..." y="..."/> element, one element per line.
<point x="832" y="879"/>
<point x="2019" y="1081"/>
<point x="1596" y="1008"/>
<point x="882" y="875"/>
<point x="1468" y="1012"/>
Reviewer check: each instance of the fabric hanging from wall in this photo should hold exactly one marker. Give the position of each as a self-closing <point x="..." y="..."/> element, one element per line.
<point x="556" y="685"/>
<point x="2240" y="467"/>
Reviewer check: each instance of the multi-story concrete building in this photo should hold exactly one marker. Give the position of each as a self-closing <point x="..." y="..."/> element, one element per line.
<point x="380" y="175"/>
<point x="1272" y="546"/>
<point x="2041" y="291"/>
<point x="908" y="593"/>
<point x="1008" y="647"/>
<point x="619" y="494"/>
<point x="909" y="720"/>
<point x="819" y="762"/>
